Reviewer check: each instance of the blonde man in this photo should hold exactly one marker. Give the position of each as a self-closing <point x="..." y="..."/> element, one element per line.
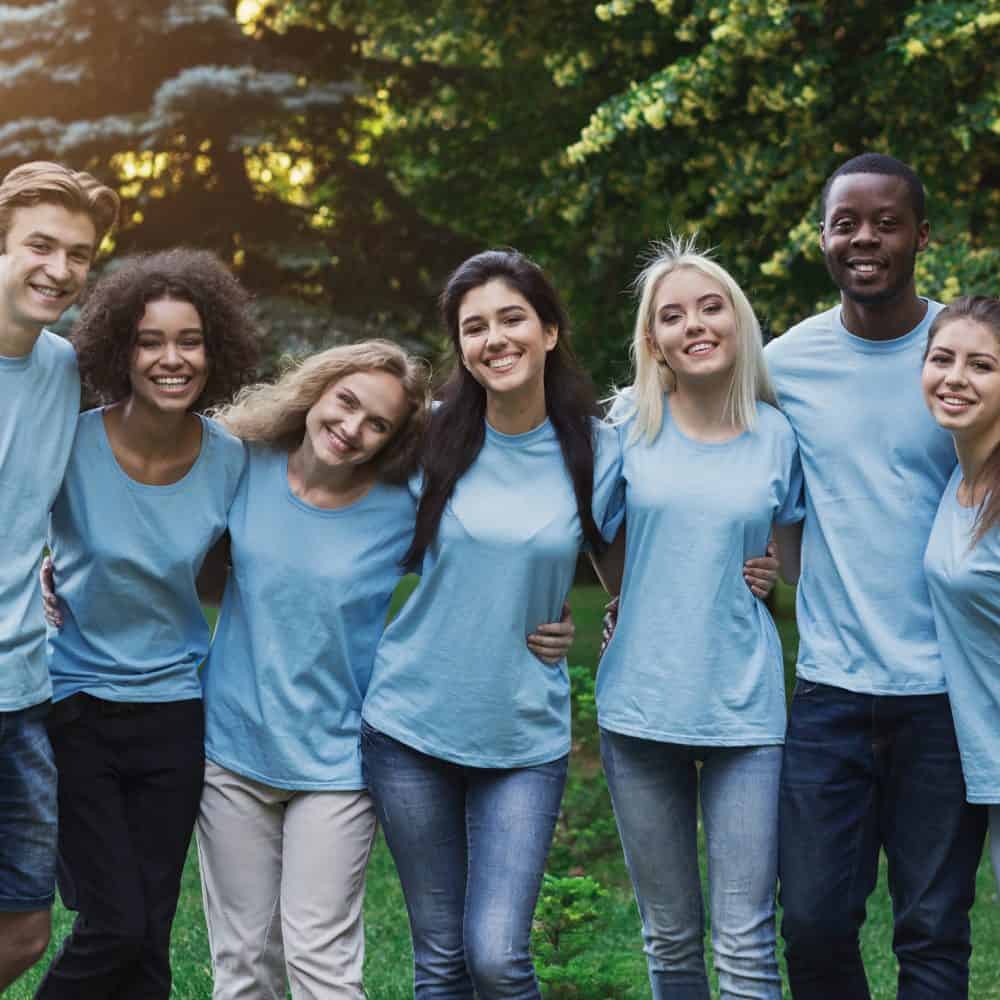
<point x="52" y="221"/>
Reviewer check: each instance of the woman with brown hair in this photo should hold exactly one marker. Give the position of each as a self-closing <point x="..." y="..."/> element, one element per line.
<point x="146" y="495"/>
<point x="961" y="381"/>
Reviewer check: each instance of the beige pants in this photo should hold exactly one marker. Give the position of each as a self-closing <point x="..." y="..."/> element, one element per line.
<point x="283" y="880"/>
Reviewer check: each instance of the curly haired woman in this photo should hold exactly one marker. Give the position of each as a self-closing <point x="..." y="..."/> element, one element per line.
<point x="146" y="495"/>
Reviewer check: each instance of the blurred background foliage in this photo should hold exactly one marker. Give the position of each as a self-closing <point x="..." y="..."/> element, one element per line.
<point x="344" y="155"/>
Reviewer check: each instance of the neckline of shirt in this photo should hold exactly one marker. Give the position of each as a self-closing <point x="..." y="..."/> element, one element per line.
<point x="865" y="346"/>
<point x="23" y="361"/>
<point x="668" y="418"/>
<point x="544" y="429"/>
<point x="105" y="442"/>
<point x="281" y="463"/>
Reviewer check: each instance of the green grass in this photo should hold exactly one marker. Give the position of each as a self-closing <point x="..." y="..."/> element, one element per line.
<point x="616" y="935"/>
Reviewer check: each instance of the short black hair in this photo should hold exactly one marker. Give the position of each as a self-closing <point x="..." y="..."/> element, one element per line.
<point x="879" y="163"/>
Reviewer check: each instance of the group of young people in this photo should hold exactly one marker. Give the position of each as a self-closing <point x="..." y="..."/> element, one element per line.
<point x="306" y="720"/>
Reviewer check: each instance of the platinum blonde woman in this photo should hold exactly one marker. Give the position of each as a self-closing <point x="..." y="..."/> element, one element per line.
<point x="690" y="691"/>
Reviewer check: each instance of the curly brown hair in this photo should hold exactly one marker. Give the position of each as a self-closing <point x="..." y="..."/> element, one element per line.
<point x="105" y="333"/>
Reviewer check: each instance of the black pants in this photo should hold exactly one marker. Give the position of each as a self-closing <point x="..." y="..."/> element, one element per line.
<point x="130" y="780"/>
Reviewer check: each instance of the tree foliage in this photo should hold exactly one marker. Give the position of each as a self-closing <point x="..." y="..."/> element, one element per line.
<point x="344" y="154"/>
<point x="221" y="140"/>
<point x="580" y="133"/>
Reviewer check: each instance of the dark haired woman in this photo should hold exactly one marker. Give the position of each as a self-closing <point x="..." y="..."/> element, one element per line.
<point x="465" y="734"/>
<point x="961" y="381"/>
<point x="146" y="495"/>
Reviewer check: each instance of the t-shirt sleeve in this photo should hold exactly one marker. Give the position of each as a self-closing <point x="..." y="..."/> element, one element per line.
<point x="609" y="486"/>
<point x="793" y="504"/>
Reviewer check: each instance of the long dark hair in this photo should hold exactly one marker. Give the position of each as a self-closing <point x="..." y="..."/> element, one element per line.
<point x="985" y="311"/>
<point x="458" y="426"/>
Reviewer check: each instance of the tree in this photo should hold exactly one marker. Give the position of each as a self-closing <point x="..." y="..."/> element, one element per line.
<point x="221" y="140"/>
<point x="580" y="133"/>
<point x="345" y="154"/>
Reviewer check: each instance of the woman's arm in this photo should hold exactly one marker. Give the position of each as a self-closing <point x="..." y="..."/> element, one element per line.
<point x="788" y="539"/>
<point x="610" y="564"/>
<point x="211" y="580"/>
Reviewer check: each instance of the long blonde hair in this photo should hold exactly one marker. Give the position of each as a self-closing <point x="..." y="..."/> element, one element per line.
<point x="652" y="378"/>
<point x="274" y="413"/>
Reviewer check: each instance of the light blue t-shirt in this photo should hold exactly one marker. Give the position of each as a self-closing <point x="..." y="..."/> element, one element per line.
<point x="875" y="466"/>
<point x="453" y="675"/>
<point x="126" y="558"/>
<point x="39" y="403"/>
<point x="965" y="592"/>
<point x="696" y="658"/>
<point x="304" y="608"/>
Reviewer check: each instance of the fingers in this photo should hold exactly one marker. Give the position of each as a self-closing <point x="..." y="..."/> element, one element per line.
<point x="767" y="563"/>
<point x="552" y="641"/>
<point x="50" y="603"/>
<point x="761" y="573"/>
<point x="760" y="582"/>
<point x="53" y="610"/>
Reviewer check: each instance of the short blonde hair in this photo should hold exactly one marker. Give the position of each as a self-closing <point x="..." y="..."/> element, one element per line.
<point x="40" y="182"/>
<point x="274" y="413"/>
<point x="652" y="378"/>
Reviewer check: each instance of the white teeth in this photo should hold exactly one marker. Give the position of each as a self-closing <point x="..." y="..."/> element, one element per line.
<point x="48" y="293"/>
<point x="166" y="380"/>
<point x="700" y="348"/>
<point x="865" y="268"/>
<point x="954" y="401"/>
<point x="502" y="364"/>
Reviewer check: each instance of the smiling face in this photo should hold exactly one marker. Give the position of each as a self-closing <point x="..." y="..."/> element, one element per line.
<point x="169" y="362"/>
<point x="961" y="378"/>
<point x="694" y="326"/>
<point x="355" y="418"/>
<point x="503" y="342"/>
<point x="46" y="259"/>
<point x="870" y="237"/>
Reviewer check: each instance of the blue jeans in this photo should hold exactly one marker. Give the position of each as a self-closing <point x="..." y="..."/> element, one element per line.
<point x="27" y="812"/>
<point x="654" y="789"/>
<point x="470" y="846"/>
<point x="863" y="772"/>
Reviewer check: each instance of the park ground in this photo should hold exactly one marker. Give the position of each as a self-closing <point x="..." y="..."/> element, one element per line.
<point x="587" y="939"/>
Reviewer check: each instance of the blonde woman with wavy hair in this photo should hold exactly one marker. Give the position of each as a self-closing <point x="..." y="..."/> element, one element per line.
<point x="318" y="529"/>
<point x="275" y="413"/>
<point x="690" y="692"/>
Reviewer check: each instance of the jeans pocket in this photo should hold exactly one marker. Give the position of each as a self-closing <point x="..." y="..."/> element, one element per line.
<point x="804" y="689"/>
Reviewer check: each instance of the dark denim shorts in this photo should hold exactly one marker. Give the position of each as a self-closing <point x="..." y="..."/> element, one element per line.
<point x="27" y="812"/>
